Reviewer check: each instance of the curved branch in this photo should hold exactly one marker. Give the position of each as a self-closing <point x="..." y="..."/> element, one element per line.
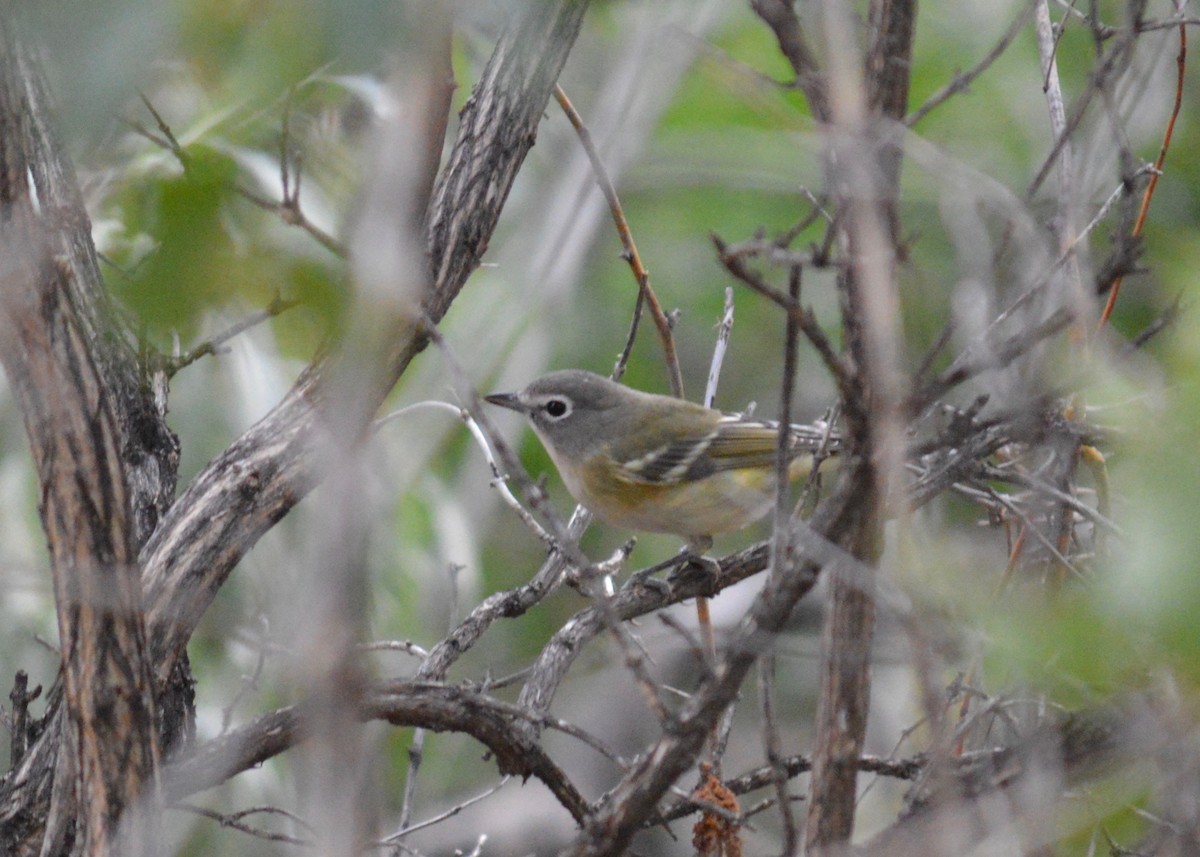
<point x="428" y="705"/>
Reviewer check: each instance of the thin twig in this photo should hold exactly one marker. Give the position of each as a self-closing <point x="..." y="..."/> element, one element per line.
<point x="406" y="829"/>
<point x="640" y="274"/>
<point x="416" y="746"/>
<point x="234" y="822"/>
<point x="779" y="534"/>
<point x="962" y="81"/>
<point x="406" y="646"/>
<point x="781" y="17"/>
<point x="804" y="318"/>
<point x="1064" y="230"/>
<point x="588" y="739"/>
<point x="794" y="766"/>
<point x="1169" y="317"/>
<point x="288" y="209"/>
<point x="1031" y="527"/>
<point x="277" y="306"/>
<point x="1024" y="480"/>
<point x="249" y="682"/>
<point x="724" y="330"/>
<point x="773" y="748"/>
<point x="1098" y="78"/>
<point x="965" y="366"/>
<point x="1148" y="194"/>
<point x="168" y="140"/>
<point x="499" y="480"/>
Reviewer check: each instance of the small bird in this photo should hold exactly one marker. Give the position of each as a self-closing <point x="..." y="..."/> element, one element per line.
<point x="657" y="463"/>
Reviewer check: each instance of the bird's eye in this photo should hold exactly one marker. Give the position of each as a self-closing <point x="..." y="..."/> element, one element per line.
<point x="557" y="408"/>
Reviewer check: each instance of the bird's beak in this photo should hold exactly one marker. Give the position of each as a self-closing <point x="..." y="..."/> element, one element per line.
<point x="507" y="400"/>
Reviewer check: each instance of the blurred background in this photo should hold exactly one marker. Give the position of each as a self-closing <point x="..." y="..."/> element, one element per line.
<point x="685" y="103"/>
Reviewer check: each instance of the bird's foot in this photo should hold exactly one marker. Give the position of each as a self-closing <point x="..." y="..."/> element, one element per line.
<point x="645" y="577"/>
<point x="696" y="566"/>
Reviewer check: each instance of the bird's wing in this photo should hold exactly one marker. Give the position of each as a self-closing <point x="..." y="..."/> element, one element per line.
<point x="734" y="444"/>
<point x="681" y="460"/>
<point x="744" y="443"/>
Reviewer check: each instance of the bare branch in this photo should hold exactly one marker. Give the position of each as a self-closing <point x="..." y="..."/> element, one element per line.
<point x="432" y="706"/>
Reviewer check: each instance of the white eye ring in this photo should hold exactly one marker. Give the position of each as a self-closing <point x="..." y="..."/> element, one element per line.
<point x="557" y="408"/>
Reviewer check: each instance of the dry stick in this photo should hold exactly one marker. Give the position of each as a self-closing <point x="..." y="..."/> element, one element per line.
<point x="277" y="306"/>
<point x="793" y="766"/>
<point x="19" y="727"/>
<point x="630" y="249"/>
<point x="1179" y="20"/>
<point x="1064" y="229"/>
<point x="1031" y="527"/>
<point x="1096" y="517"/>
<point x="773" y="749"/>
<point x="780" y="554"/>
<point x="481" y="440"/>
<point x="703" y="613"/>
<point x="780" y="539"/>
<point x="416" y="746"/>
<point x="1148" y="194"/>
<point x="406" y="829"/>
<point x="1119" y="51"/>
<point x="1157" y="326"/>
<point x="964" y="367"/>
<point x="1065" y="226"/>
<point x="962" y="81"/>
<point x="635" y="322"/>
<point x="868" y="187"/>
<point x="248" y="682"/>
<point x="724" y="329"/>
<point x="781" y="17"/>
<point x="513" y="602"/>
<point x="534" y="493"/>
<point x="233" y="821"/>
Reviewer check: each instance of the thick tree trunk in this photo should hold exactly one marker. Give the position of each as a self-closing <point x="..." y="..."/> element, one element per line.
<point x="106" y="469"/>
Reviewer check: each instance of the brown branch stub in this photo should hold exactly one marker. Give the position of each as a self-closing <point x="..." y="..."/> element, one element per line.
<point x="20" y="696"/>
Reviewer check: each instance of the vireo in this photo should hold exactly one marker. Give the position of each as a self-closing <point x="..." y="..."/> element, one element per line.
<point x="657" y="463"/>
